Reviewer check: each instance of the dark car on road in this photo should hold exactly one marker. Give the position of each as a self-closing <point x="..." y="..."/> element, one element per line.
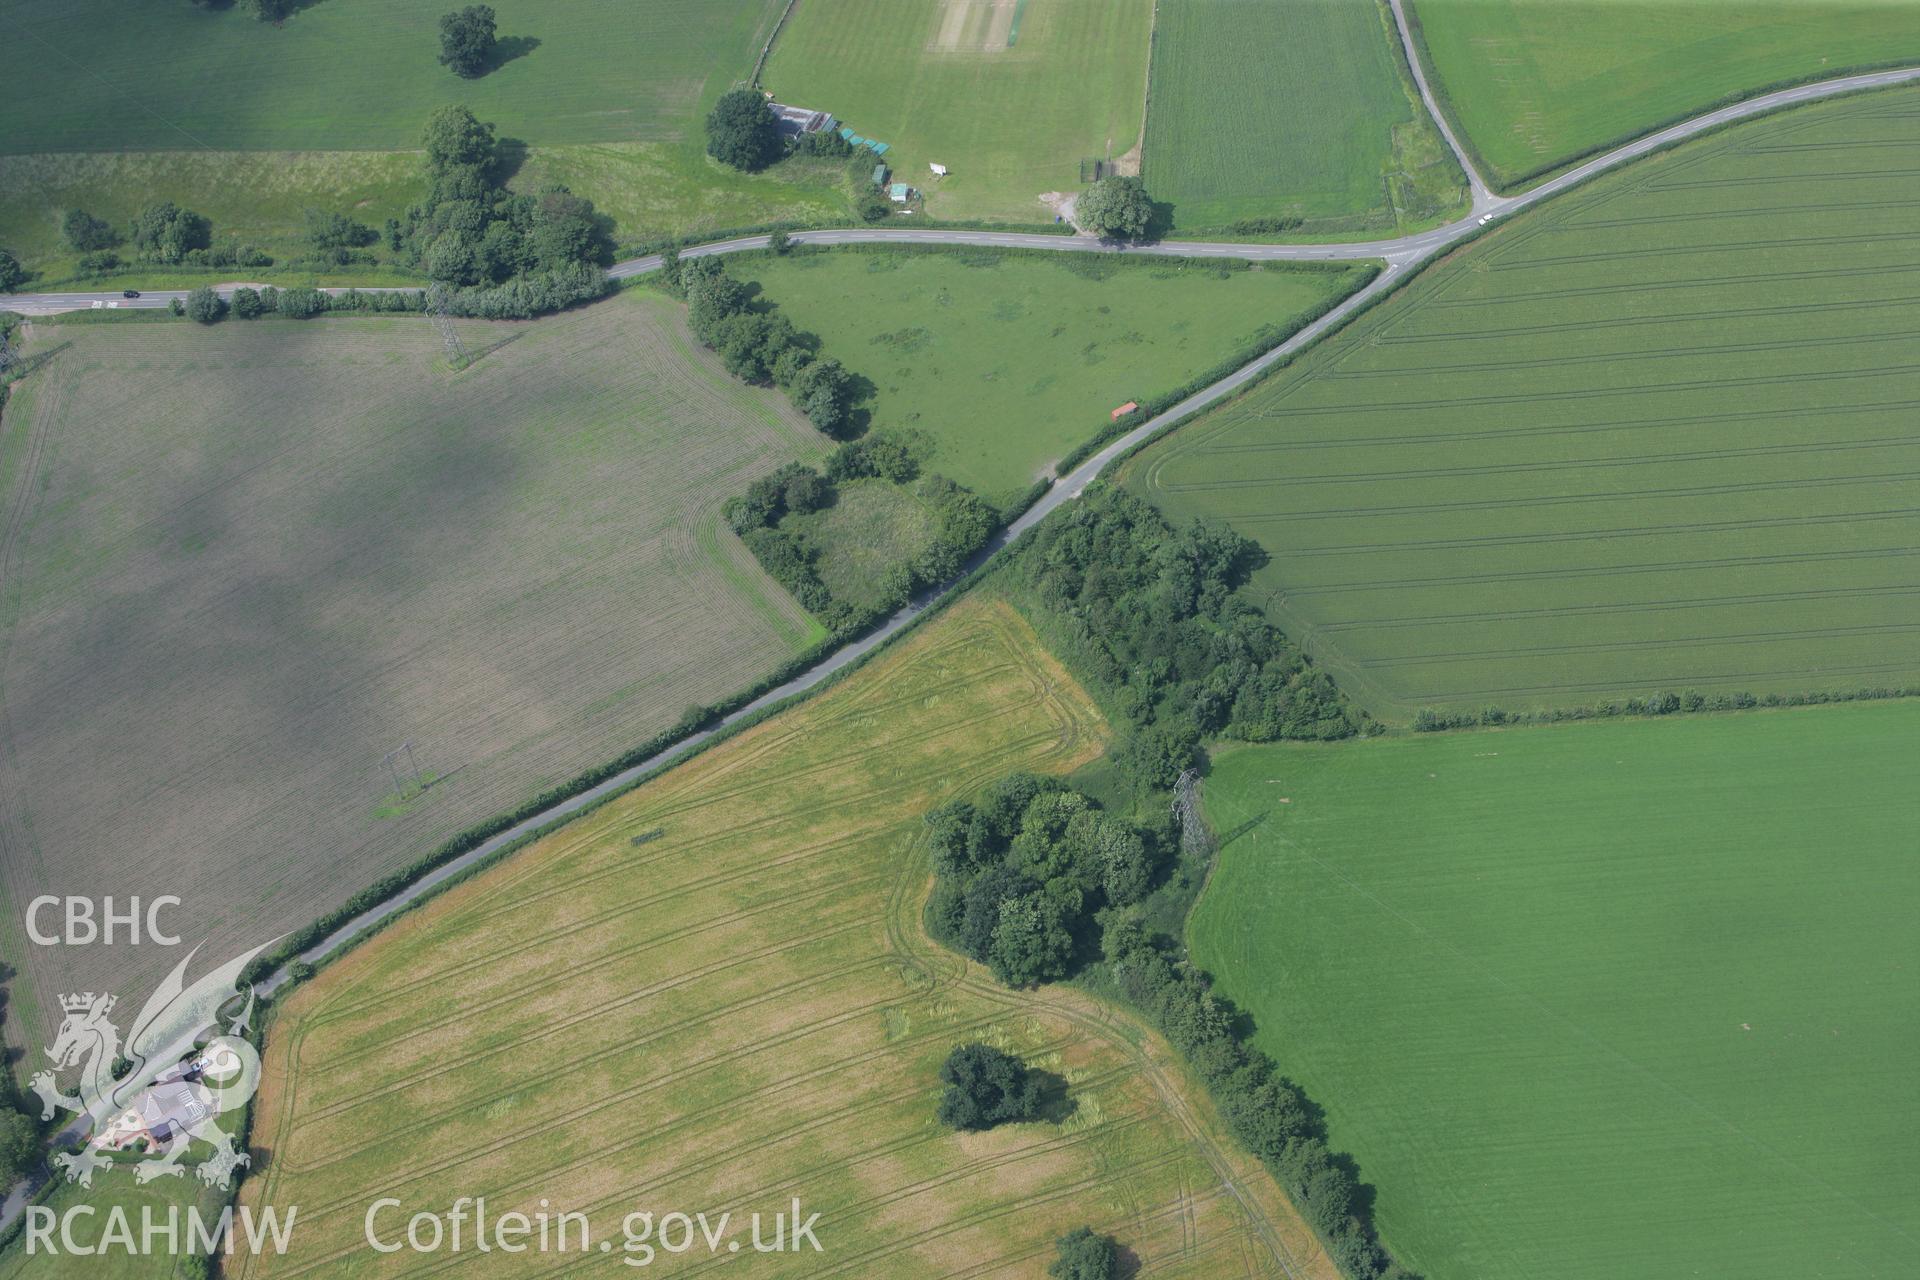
<point x="129" y="293"/>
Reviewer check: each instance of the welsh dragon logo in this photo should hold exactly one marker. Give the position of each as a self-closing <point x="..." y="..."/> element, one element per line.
<point x="180" y="1081"/>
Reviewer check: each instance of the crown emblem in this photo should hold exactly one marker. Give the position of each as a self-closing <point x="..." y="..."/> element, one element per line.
<point x="82" y="1002"/>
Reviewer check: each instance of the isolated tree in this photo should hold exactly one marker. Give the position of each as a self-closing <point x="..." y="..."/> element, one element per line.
<point x="986" y="1087"/>
<point x="86" y="233"/>
<point x="742" y="131"/>
<point x="1115" y="209"/>
<point x="206" y="306"/>
<point x="467" y="40"/>
<point x="12" y="274"/>
<point x="1085" y="1254"/>
<point x="246" y="302"/>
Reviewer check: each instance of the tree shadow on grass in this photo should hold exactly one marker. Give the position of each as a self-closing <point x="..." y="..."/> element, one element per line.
<point x="1057" y="1106"/>
<point x="1160" y="225"/>
<point x="506" y="49"/>
<point x="509" y="157"/>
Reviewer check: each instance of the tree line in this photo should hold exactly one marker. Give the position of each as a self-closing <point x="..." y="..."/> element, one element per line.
<point x="758" y="344"/>
<point x="1665" y="703"/>
<point x="1154" y="613"/>
<point x="962" y="524"/>
<point x="1035" y="881"/>
<point x="1265" y="1110"/>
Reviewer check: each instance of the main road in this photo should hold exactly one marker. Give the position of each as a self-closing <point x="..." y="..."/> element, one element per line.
<point x="1399" y="254"/>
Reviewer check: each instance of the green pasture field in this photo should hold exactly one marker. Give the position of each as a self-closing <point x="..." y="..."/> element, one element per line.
<point x="872" y="528"/>
<point x="714" y="993"/>
<point x="107" y="107"/>
<point x="1537" y="83"/>
<point x="242" y="564"/>
<point x="939" y="82"/>
<point x="116" y="1188"/>
<point x="1657" y="435"/>
<point x="1618" y="998"/>
<point x="1227" y="136"/>
<point x="97" y="75"/>
<point x="1010" y="361"/>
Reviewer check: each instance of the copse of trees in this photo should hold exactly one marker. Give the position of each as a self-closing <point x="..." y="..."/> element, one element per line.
<point x="1085" y="1254"/>
<point x="85" y="233"/>
<point x="12" y="274"/>
<point x="164" y="232"/>
<point x="19" y="1132"/>
<point x="1152" y="613"/>
<point x="743" y="132"/>
<point x="505" y="255"/>
<point x="1115" y="209"/>
<point x="986" y="1087"/>
<point x="1019" y="876"/>
<point x="19" y="1143"/>
<point x="467" y="40"/>
<point x="961" y="526"/>
<point x="336" y="234"/>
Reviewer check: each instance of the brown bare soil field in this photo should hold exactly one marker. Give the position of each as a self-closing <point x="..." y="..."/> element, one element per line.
<point x="742" y="1009"/>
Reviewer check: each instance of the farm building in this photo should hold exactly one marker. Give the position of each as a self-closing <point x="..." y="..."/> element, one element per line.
<point x="878" y="148"/>
<point x="795" y="121"/>
<point x="880" y="175"/>
<point x="158" y="1114"/>
<point x="1124" y="410"/>
<point x="899" y="193"/>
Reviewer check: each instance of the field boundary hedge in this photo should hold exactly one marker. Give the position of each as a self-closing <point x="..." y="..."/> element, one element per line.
<point x="1529" y="178"/>
<point x="766" y="50"/>
<point x="1665" y="703"/>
